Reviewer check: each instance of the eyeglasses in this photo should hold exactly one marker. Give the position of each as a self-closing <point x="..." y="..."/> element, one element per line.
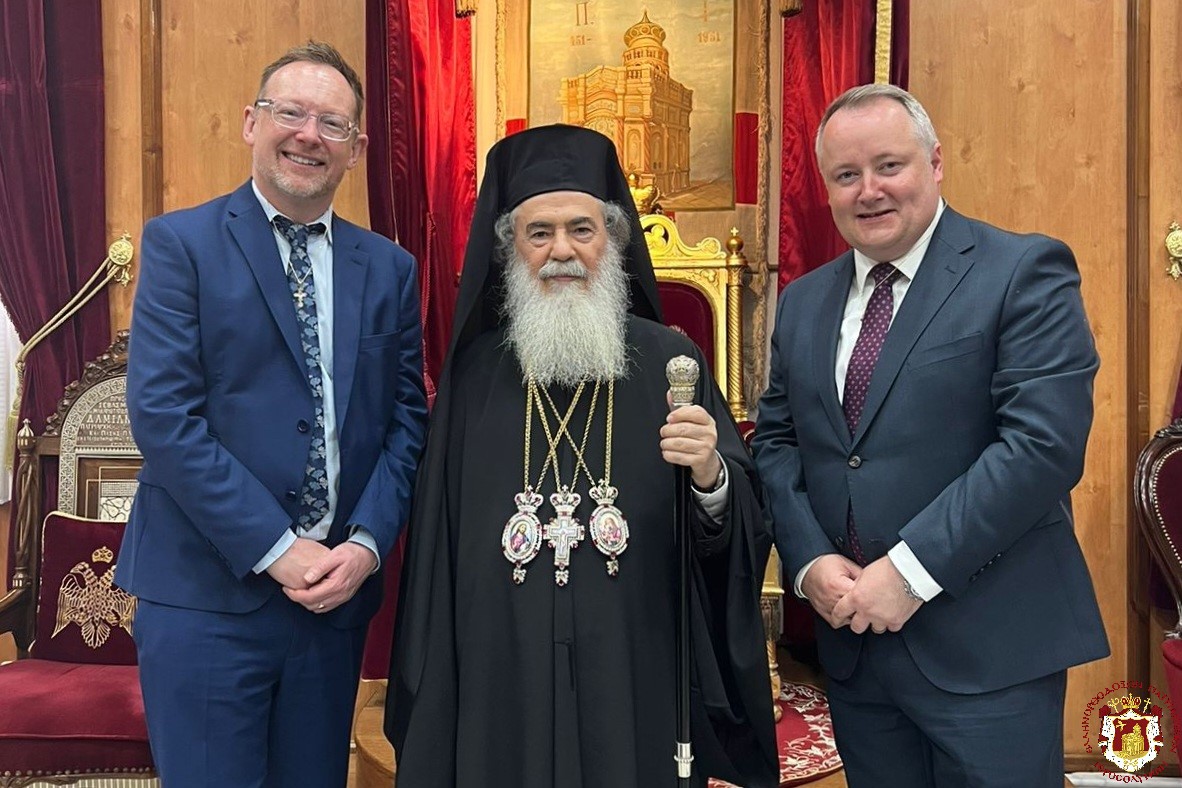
<point x="289" y="115"/>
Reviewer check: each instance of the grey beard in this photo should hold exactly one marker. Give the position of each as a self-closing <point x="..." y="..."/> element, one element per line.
<point x="571" y="334"/>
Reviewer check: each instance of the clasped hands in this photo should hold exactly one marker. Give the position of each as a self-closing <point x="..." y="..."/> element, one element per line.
<point x="871" y="597"/>
<point x="320" y="578"/>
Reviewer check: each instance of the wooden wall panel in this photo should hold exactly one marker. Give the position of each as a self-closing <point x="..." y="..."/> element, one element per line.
<point x="212" y="55"/>
<point x="1028" y="98"/>
<point x="124" y="138"/>
<point x="214" y="52"/>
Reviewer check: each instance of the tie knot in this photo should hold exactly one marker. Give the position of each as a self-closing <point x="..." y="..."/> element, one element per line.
<point x="884" y="272"/>
<point x="295" y="232"/>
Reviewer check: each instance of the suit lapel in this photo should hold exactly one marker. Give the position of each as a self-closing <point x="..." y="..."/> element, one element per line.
<point x="944" y="265"/>
<point x="349" y="268"/>
<point x="825" y="349"/>
<point x="248" y="224"/>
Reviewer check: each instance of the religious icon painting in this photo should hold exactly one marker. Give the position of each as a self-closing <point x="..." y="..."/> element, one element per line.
<point x="609" y="529"/>
<point x="522" y="537"/>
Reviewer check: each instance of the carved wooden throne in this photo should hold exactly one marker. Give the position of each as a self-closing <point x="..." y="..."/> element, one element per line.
<point x="71" y="707"/>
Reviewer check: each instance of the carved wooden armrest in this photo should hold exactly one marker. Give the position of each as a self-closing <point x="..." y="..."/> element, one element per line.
<point x="13" y="609"/>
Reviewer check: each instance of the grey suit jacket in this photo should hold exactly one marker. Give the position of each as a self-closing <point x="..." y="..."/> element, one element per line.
<point x="972" y="437"/>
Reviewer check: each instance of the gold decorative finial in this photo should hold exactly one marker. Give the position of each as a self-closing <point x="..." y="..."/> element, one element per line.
<point x="734" y="244"/>
<point x="1174" y="249"/>
<point x="119" y="255"/>
<point x="645" y="197"/>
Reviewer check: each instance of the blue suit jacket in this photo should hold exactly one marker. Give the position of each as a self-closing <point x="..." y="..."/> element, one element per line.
<point x="219" y="404"/>
<point x="972" y="437"/>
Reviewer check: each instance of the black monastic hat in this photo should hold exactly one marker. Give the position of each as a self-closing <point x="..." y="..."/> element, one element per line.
<point x="526" y="164"/>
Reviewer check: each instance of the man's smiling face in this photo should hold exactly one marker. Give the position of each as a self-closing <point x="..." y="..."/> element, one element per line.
<point x="297" y="170"/>
<point x="884" y="187"/>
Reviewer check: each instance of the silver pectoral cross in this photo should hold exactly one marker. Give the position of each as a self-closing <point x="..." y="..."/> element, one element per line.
<point x="564" y="532"/>
<point x="300" y="295"/>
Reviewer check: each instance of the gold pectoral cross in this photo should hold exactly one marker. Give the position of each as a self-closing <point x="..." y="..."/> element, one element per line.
<point x="564" y="532"/>
<point x="300" y="295"/>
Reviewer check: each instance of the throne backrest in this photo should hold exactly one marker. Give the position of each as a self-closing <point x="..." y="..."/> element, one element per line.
<point x="701" y="291"/>
<point x="1157" y="485"/>
<point x="76" y="483"/>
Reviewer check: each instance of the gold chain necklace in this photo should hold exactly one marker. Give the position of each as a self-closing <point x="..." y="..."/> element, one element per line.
<point x="521" y="539"/>
<point x="609" y="528"/>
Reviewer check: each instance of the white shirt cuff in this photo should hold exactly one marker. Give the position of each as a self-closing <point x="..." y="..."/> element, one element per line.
<point x="714" y="502"/>
<point x="913" y="572"/>
<point x="281" y="547"/>
<point x="798" y="582"/>
<point x="366" y="540"/>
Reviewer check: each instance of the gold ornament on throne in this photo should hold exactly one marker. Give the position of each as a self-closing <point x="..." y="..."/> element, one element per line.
<point x="645" y="197"/>
<point x="93" y="602"/>
<point x="791" y="7"/>
<point x="465" y="8"/>
<point x="1174" y="250"/>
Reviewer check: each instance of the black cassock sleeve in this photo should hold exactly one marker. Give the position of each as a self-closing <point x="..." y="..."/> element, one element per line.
<point x="731" y="707"/>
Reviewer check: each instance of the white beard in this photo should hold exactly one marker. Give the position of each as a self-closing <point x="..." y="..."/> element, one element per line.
<point x="573" y="333"/>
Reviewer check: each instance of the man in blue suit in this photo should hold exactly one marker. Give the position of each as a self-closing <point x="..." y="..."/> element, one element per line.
<point x="926" y="418"/>
<point x="275" y="389"/>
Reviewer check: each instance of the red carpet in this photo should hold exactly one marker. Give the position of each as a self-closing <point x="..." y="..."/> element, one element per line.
<point x="805" y="735"/>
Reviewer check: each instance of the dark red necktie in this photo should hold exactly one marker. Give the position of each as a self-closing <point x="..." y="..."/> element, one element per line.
<point x="875" y="322"/>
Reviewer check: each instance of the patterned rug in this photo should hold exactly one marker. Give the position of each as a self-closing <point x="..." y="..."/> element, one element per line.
<point x="805" y="735"/>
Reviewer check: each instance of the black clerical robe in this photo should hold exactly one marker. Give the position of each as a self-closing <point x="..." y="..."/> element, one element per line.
<point x="545" y="686"/>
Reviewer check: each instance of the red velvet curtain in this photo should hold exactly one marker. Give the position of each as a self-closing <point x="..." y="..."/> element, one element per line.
<point x="422" y="184"/>
<point x="422" y="155"/>
<point x="52" y="187"/>
<point x="828" y="48"/>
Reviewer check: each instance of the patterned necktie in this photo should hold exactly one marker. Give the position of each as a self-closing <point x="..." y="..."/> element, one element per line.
<point x="875" y="322"/>
<point x="314" y="495"/>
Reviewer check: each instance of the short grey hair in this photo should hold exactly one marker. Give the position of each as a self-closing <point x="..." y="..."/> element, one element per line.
<point x="615" y="219"/>
<point x="862" y="95"/>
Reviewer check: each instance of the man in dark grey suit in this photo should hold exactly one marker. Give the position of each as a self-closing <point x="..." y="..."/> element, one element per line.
<point x="927" y="414"/>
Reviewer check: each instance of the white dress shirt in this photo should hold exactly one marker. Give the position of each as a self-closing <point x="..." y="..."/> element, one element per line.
<point x="320" y="253"/>
<point x="861" y="288"/>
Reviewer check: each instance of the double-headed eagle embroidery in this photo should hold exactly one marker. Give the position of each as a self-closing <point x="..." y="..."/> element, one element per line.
<point x="93" y="602"/>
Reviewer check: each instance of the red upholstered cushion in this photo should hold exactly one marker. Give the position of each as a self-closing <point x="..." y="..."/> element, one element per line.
<point x="81" y="616"/>
<point x="60" y="717"/>
<point x="686" y="308"/>
<point x="1171" y="651"/>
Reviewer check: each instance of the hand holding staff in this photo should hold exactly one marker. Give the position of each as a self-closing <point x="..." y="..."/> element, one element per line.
<point x="682" y="372"/>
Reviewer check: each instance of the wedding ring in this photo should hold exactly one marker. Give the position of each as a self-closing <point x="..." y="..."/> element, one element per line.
<point x="320" y="606"/>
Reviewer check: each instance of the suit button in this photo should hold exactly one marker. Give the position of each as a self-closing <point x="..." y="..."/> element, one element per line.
<point x="839" y="542"/>
<point x="291" y="495"/>
<point x="302" y="425"/>
<point x="855" y="461"/>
